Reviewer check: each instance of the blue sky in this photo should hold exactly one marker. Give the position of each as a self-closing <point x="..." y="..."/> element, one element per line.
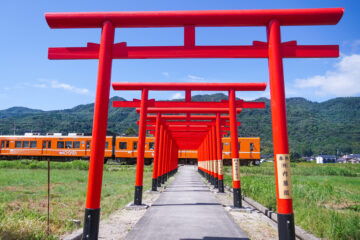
<point x="29" y="79"/>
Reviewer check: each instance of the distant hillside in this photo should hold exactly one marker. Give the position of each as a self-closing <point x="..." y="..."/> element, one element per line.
<point x="17" y="111"/>
<point x="313" y="127"/>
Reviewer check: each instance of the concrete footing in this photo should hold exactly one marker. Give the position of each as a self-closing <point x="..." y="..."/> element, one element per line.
<point x="132" y="206"/>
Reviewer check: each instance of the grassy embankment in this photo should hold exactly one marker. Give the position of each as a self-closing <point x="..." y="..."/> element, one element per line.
<point x="23" y="196"/>
<point x="326" y="198"/>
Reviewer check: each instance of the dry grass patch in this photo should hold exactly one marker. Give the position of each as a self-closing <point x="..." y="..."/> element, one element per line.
<point x="23" y="199"/>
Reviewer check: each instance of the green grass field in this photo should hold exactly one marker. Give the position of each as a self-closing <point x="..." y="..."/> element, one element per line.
<point x="326" y="198"/>
<point x="23" y="196"/>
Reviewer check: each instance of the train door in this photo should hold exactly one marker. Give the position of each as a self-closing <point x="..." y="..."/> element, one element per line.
<point x="226" y="149"/>
<point x="43" y="148"/>
<point x="251" y="149"/>
<point x="87" y="148"/>
<point x="46" y="147"/>
<point x="134" y="148"/>
<point x="5" y="146"/>
<point x="151" y="149"/>
<point x="2" y="145"/>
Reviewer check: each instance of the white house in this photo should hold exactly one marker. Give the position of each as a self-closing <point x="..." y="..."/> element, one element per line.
<point x="325" y="159"/>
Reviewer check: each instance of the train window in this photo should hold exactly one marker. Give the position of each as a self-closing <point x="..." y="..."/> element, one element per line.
<point x="60" y="144"/>
<point x="7" y="144"/>
<point x="122" y="145"/>
<point x="2" y="144"/>
<point x="87" y="144"/>
<point x="25" y="144"/>
<point x="44" y="144"/>
<point x="134" y="145"/>
<point x="49" y="144"/>
<point x="17" y="144"/>
<point x="151" y="145"/>
<point x="106" y="145"/>
<point x="68" y="144"/>
<point x="251" y="147"/>
<point x="76" y="144"/>
<point x="33" y="144"/>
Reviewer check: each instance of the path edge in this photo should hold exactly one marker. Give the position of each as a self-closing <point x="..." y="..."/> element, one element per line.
<point x="299" y="231"/>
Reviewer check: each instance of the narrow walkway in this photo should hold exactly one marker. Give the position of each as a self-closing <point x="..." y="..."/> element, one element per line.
<point x="186" y="210"/>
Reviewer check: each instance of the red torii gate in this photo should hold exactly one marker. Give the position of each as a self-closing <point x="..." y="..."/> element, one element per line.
<point x="182" y="138"/>
<point x="274" y="50"/>
<point x="159" y="174"/>
<point x="152" y="106"/>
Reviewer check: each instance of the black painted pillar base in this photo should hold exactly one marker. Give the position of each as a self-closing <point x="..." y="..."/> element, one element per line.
<point x="138" y="195"/>
<point x="158" y="181"/>
<point x="221" y="186"/>
<point x="212" y="180"/>
<point x="237" y="197"/>
<point x="216" y="183"/>
<point x="154" y="184"/>
<point x="162" y="179"/>
<point x="91" y="224"/>
<point x="286" y="226"/>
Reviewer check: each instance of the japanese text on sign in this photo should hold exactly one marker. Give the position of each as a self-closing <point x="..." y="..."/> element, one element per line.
<point x="236" y="169"/>
<point x="220" y="165"/>
<point x="283" y="176"/>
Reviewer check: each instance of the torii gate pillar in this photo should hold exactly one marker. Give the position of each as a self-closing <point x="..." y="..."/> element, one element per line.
<point x="92" y="210"/>
<point x="286" y="225"/>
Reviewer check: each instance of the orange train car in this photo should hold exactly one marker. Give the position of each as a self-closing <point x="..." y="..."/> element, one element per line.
<point x="75" y="146"/>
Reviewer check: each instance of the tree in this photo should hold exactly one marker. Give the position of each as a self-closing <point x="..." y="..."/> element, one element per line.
<point x="130" y="131"/>
<point x="294" y="156"/>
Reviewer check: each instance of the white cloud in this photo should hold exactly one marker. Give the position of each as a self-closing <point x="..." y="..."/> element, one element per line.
<point x="68" y="87"/>
<point x="193" y="77"/>
<point x="59" y="85"/>
<point x="166" y="74"/>
<point x="344" y="80"/>
<point x="178" y="95"/>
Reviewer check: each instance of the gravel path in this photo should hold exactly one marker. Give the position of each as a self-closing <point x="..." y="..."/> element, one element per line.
<point x="186" y="210"/>
<point x="256" y="225"/>
<point x="179" y="192"/>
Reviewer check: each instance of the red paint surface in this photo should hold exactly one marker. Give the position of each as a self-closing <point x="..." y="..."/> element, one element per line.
<point x="100" y="118"/>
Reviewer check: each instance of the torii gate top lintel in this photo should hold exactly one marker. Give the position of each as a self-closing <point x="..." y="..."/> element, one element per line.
<point x="189" y="20"/>
<point x="202" y="18"/>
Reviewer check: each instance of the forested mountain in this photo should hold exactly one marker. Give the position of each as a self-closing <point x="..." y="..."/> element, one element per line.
<point x="313" y="127"/>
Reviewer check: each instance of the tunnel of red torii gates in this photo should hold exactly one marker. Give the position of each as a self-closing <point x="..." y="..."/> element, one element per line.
<point x="273" y="49"/>
<point x="193" y="134"/>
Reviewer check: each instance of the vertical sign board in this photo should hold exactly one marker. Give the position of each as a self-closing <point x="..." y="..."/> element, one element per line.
<point x="236" y="169"/>
<point x="284" y="176"/>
